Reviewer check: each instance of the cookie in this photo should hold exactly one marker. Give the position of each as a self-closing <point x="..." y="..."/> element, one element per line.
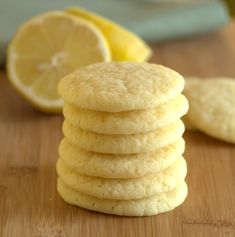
<point x="124" y="189"/>
<point x="123" y="144"/>
<point x="140" y="207"/>
<point x="118" y="165"/>
<point x="120" y="86"/>
<point x="212" y="107"/>
<point x="129" y="122"/>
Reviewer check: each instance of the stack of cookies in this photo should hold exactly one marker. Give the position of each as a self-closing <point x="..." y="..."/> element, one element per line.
<point x="122" y="148"/>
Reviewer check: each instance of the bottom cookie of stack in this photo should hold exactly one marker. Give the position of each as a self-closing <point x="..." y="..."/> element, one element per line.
<point x="138" y="207"/>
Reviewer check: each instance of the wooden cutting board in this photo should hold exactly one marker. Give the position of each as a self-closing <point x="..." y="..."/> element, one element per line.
<point x="30" y="205"/>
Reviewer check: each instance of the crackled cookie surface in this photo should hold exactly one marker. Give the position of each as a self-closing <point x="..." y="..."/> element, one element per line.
<point x="120" y="86"/>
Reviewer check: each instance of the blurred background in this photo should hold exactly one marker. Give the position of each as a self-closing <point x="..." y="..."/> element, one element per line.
<point x="153" y="20"/>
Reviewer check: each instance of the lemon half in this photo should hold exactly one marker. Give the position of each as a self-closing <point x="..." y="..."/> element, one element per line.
<point x="48" y="47"/>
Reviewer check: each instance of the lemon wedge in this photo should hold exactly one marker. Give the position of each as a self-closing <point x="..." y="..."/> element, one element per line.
<point x="125" y="46"/>
<point x="48" y="47"/>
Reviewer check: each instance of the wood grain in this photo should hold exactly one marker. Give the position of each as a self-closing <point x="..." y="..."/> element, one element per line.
<point x="30" y="205"/>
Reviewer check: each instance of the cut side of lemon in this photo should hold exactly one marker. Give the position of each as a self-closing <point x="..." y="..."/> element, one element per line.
<point x="48" y="47"/>
<point x="125" y="45"/>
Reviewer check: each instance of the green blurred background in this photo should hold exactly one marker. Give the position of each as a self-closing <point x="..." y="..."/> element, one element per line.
<point x="153" y="20"/>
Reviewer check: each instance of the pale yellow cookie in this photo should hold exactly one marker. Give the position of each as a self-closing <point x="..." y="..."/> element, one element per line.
<point x="129" y="122"/>
<point x="124" y="189"/>
<point x="120" y="86"/>
<point x="123" y="144"/>
<point x="140" y="207"/>
<point x="117" y="165"/>
<point x="212" y="107"/>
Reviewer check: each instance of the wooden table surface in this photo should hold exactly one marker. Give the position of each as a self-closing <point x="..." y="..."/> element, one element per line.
<point x="30" y="205"/>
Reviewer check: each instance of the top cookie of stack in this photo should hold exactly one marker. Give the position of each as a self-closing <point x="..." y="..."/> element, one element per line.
<point x="119" y="115"/>
<point x="121" y="86"/>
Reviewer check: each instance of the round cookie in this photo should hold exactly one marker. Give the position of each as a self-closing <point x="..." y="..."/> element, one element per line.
<point x="127" y="122"/>
<point x="212" y="107"/>
<point x="123" y="144"/>
<point x="124" y="189"/>
<point x="140" y="207"/>
<point x="118" y="165"/>
<point x="120" y="86"/>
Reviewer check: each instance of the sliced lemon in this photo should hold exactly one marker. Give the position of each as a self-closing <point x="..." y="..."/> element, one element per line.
<point x="125" y="46"/>
<point x="48" y="47"/>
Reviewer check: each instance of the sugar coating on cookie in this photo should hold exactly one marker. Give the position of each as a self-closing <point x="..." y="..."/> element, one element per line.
<point x="123" y="144"/>
<point x="120" y="86"/>
<point x="124" y="189"/>
<point x="139" y="207"/>
<point x="119" y="165"/>
<point x="127" y="122"/>
<point x="212" y="107"/>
